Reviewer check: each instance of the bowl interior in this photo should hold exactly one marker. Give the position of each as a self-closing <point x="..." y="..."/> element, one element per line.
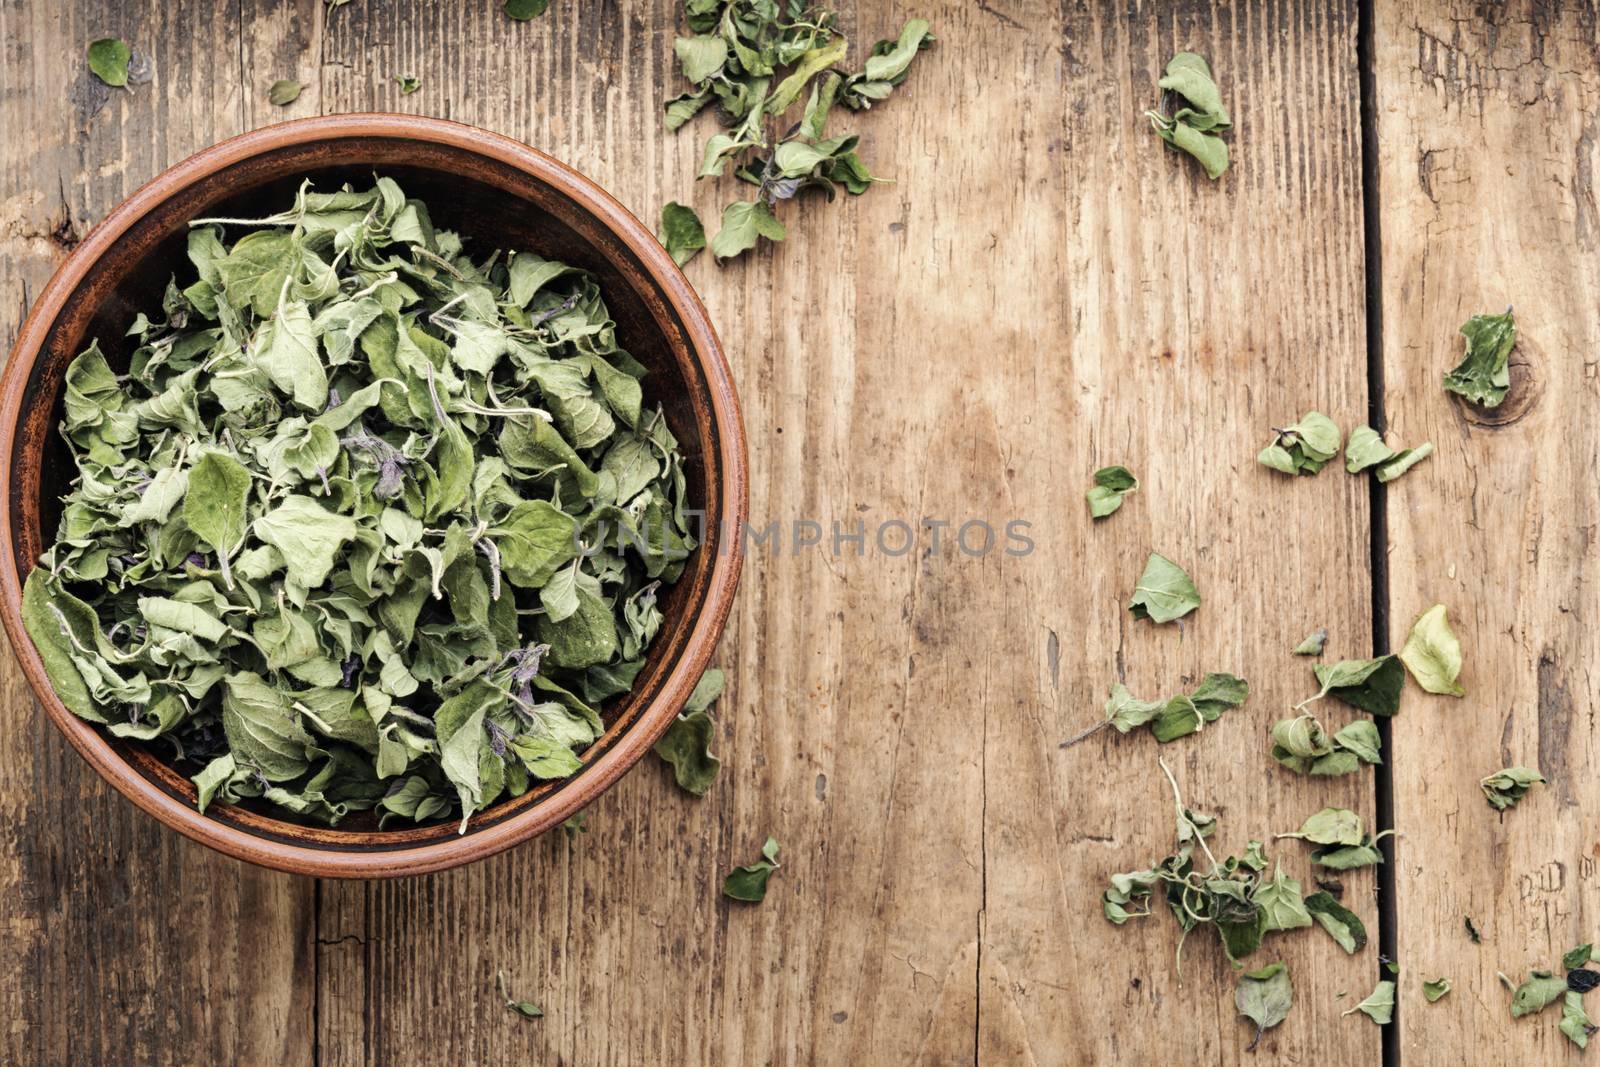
<point x="493" y="204"/>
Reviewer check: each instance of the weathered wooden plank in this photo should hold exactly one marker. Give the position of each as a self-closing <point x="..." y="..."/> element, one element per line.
<point x="124" y="942"/>
<point x="1486" y="172"/>
<point x="839" y="730"/>
<point x="1168" y="323"/>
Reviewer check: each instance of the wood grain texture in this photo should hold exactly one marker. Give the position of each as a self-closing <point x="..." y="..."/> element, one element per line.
<point x="1487" y="200"/>
<point x="122" y="941"/>
<point x="1184" y="319"/>
<point x="1043" y="290"/>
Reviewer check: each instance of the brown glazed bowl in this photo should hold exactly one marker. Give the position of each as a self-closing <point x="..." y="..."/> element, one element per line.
<point x="498" y="193"/>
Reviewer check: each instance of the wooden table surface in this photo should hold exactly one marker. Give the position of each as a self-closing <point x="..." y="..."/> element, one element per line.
<point x="1043" y="290"/>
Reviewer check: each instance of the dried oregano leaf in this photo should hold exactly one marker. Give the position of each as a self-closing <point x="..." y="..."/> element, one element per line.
<point x="1164" y="592"/>
<point x="284" y="92"/>
<point x="1194" y="128"/>
<point x="525" y="10"/>
<point x="1264" y="997"/>
<point x="1504" y="788"/>
<point x="687" y="743"/>
<point x="108" y="60"/>
<point x="681" y="232"/>
<point x="1111" y="484"/>
<point x="1433" y="654"/>
<point x="749" y="883"/>
<point x="1484" y="375"/>
<point x="361" y="521"/>
<point x="1379" y="1005"/>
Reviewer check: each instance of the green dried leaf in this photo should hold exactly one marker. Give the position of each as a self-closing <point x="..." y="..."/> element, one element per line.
<point x="749" y="883"/>
<point x="1541" y="990"/>
<point x="108" y="60"/>
<point x="1303" y="447"/>
<point x="743" y="224"/>
<point x="1435" y="989"/>
<point x="308" y="535"/>
<point x="1349" y="857"/>
<point x="408" y="83"/>
<point x="1432" y="653"/>
<point x="1281" y="902"/>
<point x="1111" y="484"/>
<point x="1366" y="450"/>
<point x="701" y="57"/>
<point x="1373" y="685"/>
<point x="1313" y="644"/>
<point x="1164" y="591"/>
<point x="1194" y="128"/>
<point x="1330" y="826"/>
<point x="526" y="1009"/>
<point x="526" y="10"/>
<point x="1577" y="957"/>
<point x="1379" y="1005"/>
<point x="1175" y="717"/>
<point x="681" y="232"/>
<point x="1342" y="924"/>
<point x="687" y="743"/>
<point x="687" y="746"/>
<point x="214" y="507"/>
<point x="284" y="92"/>
<point x="1484" y="375"/>
<point x="1264" y="996"/>
<point x="1575" y="1021"/>
<point x="1504" y="788"/>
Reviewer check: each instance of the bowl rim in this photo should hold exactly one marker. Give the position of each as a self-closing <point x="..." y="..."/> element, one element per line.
<point x="706" y="627"/>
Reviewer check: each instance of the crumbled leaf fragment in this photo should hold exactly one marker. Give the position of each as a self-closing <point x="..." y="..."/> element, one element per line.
<point x="744" y="224"/>
<point x="1472" y="930"/>
<point x="1313" y="644"/>
<point x="284" y="92"/>
<point x="1575" y="1021"/>
<point x="1577" y="957"/>
<point x="526" y="10"/>
<point x="1435" y="989"/>
<point x="1280" y="899"/>
<point x="1111" y="484"/>
<point x="1433" y="654"/>
<point x="526" y="1009"/>
<point x="1504" y="788"/>
<point x="108" y="60"/>
<point x="749" y="883"/>
<point x="408" y="83"/>
<point x="1582" y="979"/>
<point x="1484" y="375"/>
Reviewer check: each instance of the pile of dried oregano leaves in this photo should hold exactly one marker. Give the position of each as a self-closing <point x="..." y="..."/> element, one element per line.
<point x="367" y="523"/>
